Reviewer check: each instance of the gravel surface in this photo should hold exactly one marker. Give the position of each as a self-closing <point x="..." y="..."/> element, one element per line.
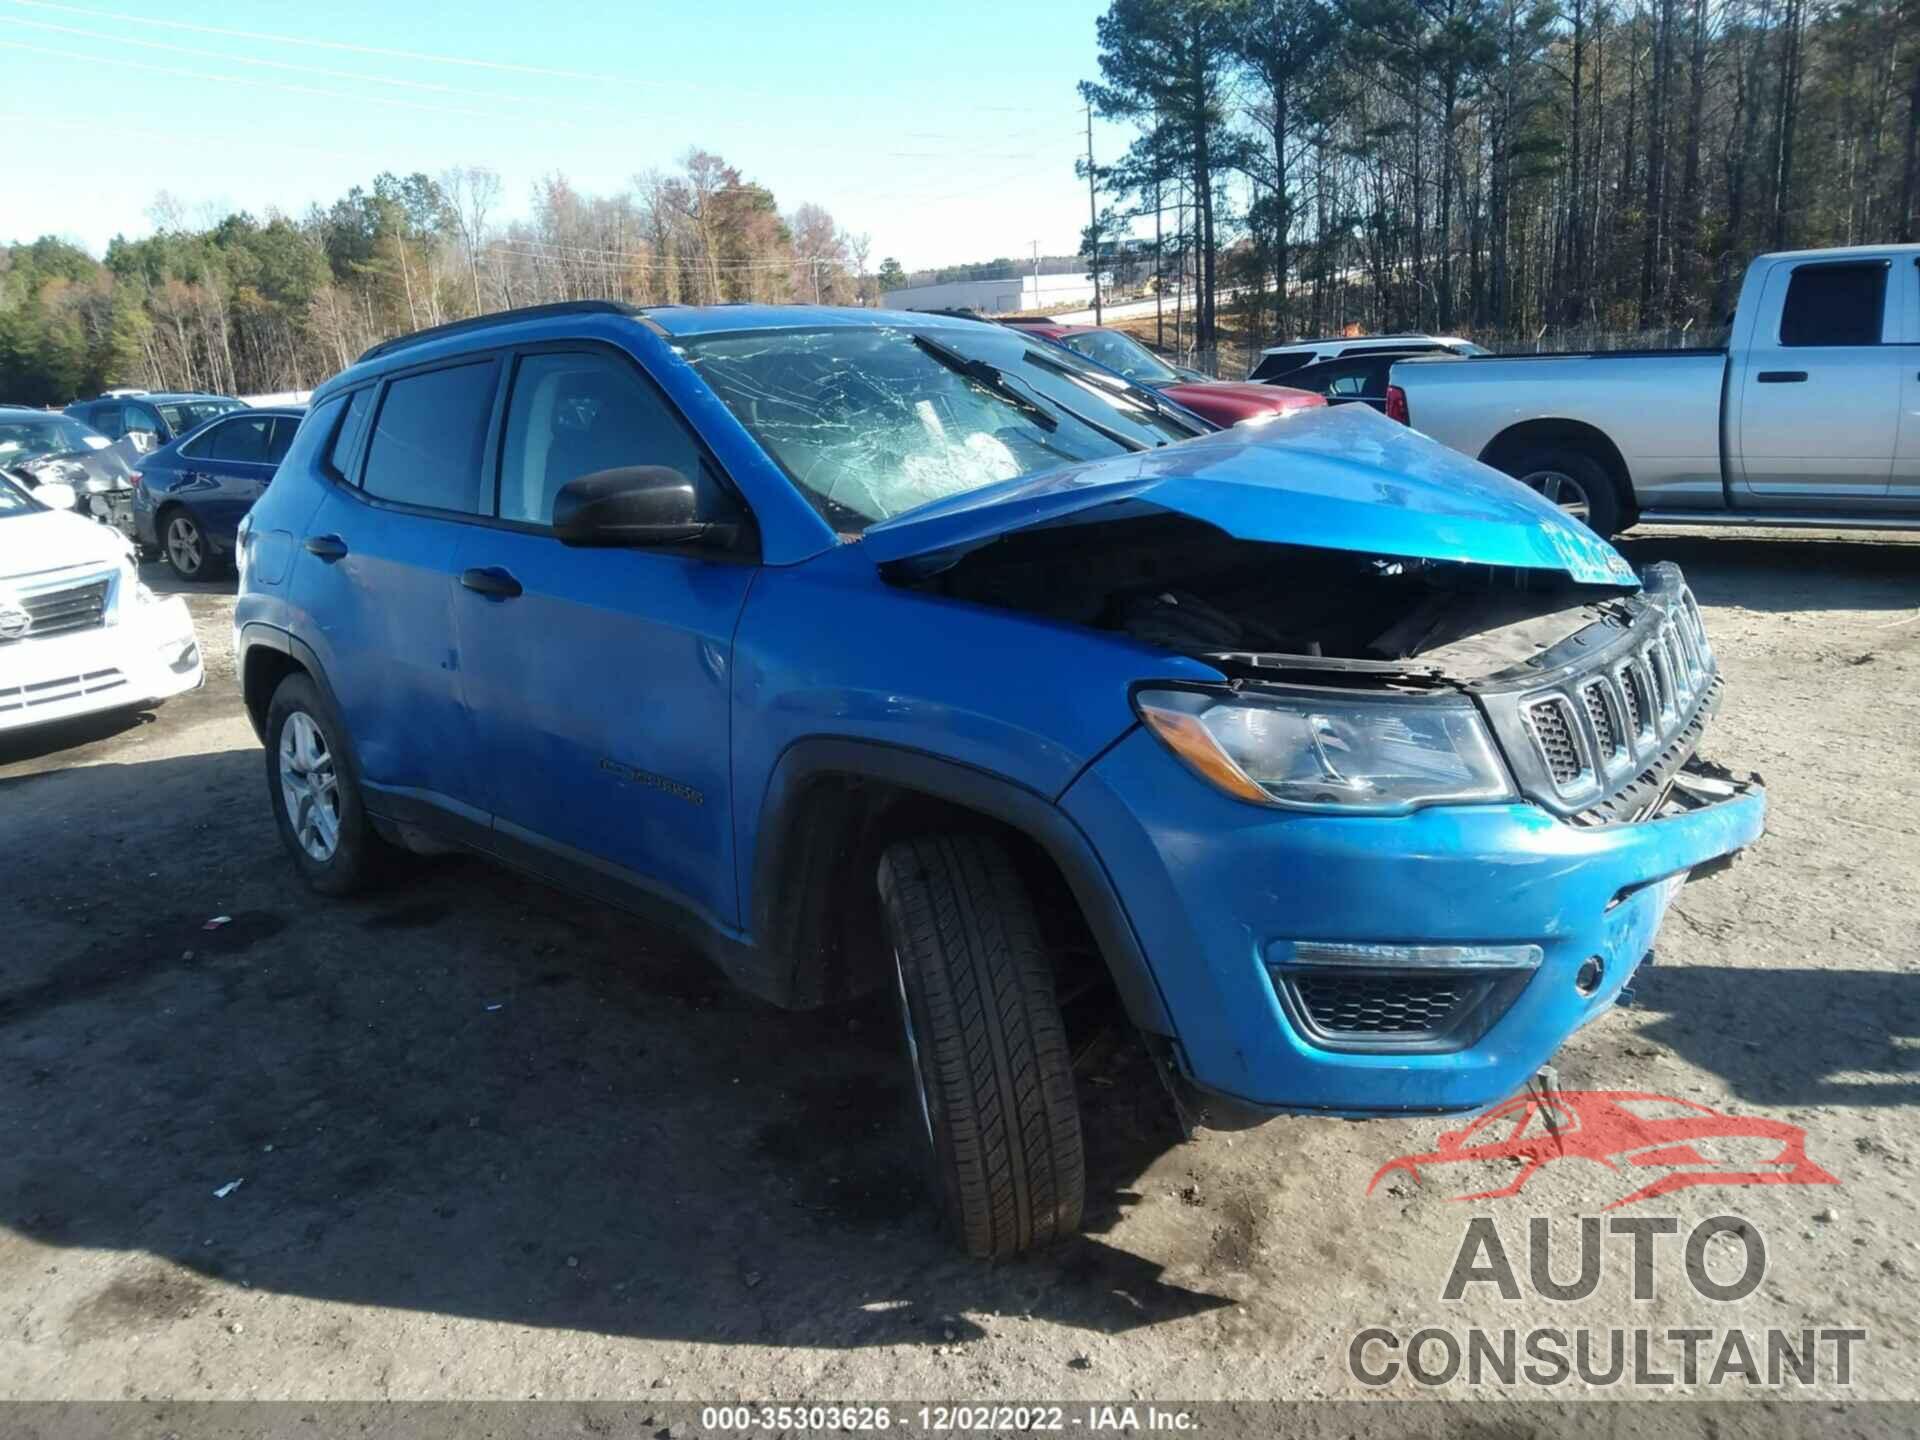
<point x="472" y="1138"/>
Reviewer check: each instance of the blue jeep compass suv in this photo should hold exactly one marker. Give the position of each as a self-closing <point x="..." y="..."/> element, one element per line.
<point x="897" y="650"/>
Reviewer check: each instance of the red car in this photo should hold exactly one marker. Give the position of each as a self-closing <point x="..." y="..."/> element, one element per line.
<point x="1224" y="402"/>
<point x="1670" y="1143"/>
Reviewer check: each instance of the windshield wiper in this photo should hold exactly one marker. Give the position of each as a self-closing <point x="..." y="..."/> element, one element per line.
<point x="990" y="376"/>
<point x="1138" y="394"/>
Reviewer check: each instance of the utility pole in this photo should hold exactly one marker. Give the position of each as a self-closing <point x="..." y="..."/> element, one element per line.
<point x="1093" y="216"/>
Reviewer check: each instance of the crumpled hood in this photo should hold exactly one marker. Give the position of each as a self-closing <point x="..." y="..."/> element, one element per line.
<point x="1343" y="478"/>
<point x="88" y="471"/>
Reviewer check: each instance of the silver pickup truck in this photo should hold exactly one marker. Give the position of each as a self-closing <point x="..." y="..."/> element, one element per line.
<point x="1810" y="416"/>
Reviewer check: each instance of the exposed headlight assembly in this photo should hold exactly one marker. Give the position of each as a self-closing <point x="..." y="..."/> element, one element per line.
<point x="1347" y="755"/>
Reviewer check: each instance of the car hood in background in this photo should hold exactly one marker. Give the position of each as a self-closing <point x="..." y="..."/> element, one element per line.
<point x="47" y="540"/>
<point x="1226" y="402"/>
<point x="1342" y="478"/>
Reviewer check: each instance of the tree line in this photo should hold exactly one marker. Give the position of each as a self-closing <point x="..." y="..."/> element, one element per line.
<point x="1500" y="166"/>
<point x="240" y="305"/>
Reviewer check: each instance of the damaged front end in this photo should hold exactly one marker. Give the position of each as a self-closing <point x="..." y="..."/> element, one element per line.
<point x="101" y="481"/>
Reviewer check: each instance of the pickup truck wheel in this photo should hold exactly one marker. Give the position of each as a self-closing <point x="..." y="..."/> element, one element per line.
<point x="316" y="802"/>
<point x="1577" y="483"/>
<point x="992" y="1076"/>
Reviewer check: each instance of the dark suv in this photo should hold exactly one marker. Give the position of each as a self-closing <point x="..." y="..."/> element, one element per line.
<point x="152" y="418"/>
<point x="892" y="650"/>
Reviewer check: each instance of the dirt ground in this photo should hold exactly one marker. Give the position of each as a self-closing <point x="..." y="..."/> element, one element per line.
<point x="494" y="1142"/>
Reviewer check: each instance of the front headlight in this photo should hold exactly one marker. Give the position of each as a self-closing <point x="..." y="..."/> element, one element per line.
<point x="1315" y="753"/>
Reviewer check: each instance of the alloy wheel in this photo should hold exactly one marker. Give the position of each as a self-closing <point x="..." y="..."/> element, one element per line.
<point x="310" y="786"/>
<point x="184" y="545"/>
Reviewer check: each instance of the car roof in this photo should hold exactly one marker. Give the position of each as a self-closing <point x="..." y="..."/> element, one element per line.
<point x="563" y="320"/>
<point x="1370" y="342"/>
<point x="30" y="412"/>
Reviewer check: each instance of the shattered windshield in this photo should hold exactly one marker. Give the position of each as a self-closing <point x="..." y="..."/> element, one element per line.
<point x="870" y="421"/>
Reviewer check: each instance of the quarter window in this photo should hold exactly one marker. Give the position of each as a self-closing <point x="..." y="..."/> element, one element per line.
<point x="340" y="455"/>
<point x="1834" y="305"/>
<point x="429" y="438"/>
<point x="575" y="413"/>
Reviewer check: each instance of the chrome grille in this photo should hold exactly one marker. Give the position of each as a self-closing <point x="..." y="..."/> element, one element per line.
<point x="58" y="611"/>
<point x="1633" y="686"/>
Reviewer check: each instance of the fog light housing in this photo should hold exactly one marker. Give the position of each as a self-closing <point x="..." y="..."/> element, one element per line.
<point x="1587" y="978"/>
<point x="186" y="659"/>
<point x="1345" y="995"/>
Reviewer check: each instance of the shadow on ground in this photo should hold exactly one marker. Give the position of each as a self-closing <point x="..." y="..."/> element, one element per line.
<point x="1786" y="1038"/>
<point x="1782" y="571"/>
<point x="470" y="1095"/>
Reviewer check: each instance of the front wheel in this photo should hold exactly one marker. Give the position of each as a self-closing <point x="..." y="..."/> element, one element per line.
<point x="1576" y="482"/>
<point x="986" y="1047"/>
<point x="316" y="801"/>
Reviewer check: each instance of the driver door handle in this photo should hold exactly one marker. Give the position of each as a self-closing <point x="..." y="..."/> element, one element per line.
<point x="327" y="547"/>
<point x="491" y="581"/>
<point x="1782" y="377"/>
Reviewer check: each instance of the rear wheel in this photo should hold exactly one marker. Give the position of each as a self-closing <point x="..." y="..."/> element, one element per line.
<point x="316" y="801"/>
<point x="987" y="1052"/>
<point x="1574" y="481"/>
<point x="184" y="545"/>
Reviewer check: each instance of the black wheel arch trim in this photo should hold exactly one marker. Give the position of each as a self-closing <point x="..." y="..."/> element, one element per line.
<point x="776" y="906"/>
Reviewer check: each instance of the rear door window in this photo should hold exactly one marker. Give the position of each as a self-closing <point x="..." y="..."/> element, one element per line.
<point x="284" y="427"/>
<point x="430" y="437"/>
<point x="1834" y="305"/>
<point x="1272" y="366"/>
<point x="243" y="440"/>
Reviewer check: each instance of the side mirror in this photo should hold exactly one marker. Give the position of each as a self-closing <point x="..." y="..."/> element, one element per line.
<point x="636" y="505"/>
<point x="56" y="495"/>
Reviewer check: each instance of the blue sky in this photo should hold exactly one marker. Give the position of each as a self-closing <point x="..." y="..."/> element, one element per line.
<point x="945" y="130"/>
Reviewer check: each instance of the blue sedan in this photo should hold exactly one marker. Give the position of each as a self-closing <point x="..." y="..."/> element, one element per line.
<point x="189" y="496"/>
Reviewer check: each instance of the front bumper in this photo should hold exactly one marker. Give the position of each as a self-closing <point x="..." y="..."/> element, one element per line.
<point x="148" y="654"/>
<point x="1211" y="884"/>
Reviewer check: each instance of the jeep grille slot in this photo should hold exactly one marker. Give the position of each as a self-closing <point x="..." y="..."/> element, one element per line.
<point x="1559" y="742"/>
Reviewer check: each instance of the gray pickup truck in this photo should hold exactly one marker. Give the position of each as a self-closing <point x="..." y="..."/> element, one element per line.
<point x="1810" y="416"/>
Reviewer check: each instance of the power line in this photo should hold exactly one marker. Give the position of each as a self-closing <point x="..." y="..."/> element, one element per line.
<point x="430" y="59"/>
<point x="280" y="85"/>
<point x="300" y="68"/>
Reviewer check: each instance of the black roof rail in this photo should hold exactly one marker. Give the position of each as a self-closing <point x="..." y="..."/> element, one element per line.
<point x="499" y="317"/>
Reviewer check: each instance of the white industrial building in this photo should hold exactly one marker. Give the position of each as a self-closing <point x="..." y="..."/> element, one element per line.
<point x="1010" y="296"/>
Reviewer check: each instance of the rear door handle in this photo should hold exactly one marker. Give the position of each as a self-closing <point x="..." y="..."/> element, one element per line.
<point x="327" y="547"/>
<point x="1782" y="377"/>
<point x="491" y="581"/>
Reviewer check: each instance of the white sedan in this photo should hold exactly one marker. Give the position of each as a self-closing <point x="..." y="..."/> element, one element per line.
<point x="79" y="632"/>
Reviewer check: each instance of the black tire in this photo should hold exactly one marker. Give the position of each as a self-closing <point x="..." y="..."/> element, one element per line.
<point x="1538" y="469"/>
<point x="358" y="853"/>
<point x="190" y="561"/>
<point x="992" y="1075"/>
